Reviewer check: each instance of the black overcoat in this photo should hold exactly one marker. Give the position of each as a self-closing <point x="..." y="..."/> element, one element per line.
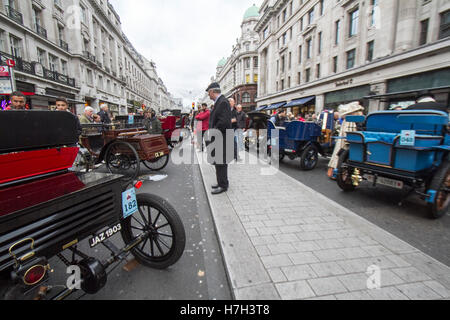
<point x="220" y="119"/>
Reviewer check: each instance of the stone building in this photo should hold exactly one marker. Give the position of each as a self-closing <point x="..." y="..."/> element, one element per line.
<point x="76" y="49"/>
<point x="318" y="54"/>
<point x="238" y="75"/>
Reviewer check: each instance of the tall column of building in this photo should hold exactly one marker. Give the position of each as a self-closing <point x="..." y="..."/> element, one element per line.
<point x="407" y="12"/>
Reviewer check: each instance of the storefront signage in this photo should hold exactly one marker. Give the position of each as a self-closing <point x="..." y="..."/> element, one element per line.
<point x="344" y="82"/>
<point x="6" y="86"/>
<point x="4" y="71"/>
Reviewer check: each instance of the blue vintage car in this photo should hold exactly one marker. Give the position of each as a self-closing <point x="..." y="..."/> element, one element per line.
<point x="304" y="140"/>
<point x="401" y="149"/>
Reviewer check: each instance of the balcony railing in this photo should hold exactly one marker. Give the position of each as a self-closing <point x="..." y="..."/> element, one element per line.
<point x="64" y="45"/>
<point x="58" y="77"/>
<point x="89" y="56"/>
<point x="30" y="68"/>
<point x="14" y="14"/>
<point x="41" y="31"/>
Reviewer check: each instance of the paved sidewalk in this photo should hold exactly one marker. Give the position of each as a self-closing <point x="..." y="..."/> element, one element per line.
<point x="282" y="240"/>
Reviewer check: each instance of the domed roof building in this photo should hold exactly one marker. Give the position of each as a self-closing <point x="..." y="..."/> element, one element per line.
<point x="238" y="75"/>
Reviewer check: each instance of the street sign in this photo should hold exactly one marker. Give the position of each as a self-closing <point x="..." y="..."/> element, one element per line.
<point x="4" y="71"/>
<point x="11" y="63"/>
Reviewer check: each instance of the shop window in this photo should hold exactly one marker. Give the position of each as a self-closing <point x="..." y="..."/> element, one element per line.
<point x="246" y="97"/>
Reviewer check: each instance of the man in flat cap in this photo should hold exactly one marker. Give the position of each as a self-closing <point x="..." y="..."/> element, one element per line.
<point x="220" y="120"/>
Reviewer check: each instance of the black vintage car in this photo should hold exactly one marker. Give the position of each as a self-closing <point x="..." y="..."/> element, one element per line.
<point x="46" y="211"/>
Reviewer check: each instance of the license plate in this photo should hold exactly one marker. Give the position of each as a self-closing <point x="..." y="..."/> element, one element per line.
<point x="386" y="182"/>
<point x="129" y="203"/>
<point x="105" y="235"/>
<point x="159" y="154"/>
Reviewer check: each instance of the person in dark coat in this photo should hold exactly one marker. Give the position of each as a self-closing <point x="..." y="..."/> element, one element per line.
<point x="220" y="120"/>
<point x="426" y="101"/>
<point x="104" y="115"/>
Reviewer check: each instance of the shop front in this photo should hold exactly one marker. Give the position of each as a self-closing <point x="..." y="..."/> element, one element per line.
<point x="334" y="99"/>
<point x="403" y="92"/>
<point x="303" y="106"/>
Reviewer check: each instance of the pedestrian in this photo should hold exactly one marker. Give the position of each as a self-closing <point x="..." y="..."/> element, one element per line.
<point x="220" y="120"/>
<point x="353" y="108"/>
<point x="63" y="105"/>
<point x="104" y="114"/>
<point x="280" y="118"/>
<point x="300" y="118"/>
<point x="87" y="116"/>
<point x="241" y="117"/>
<point x="202" y="124"/>
<point x="234" y="126"/>
<point x="151" y="122"/>
<point x="426" y="101"/>
<point x="18" y="101"/>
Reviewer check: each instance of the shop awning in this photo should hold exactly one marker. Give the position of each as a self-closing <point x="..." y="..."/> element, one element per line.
<point x="276" y="105"/>
<point x="261" y="108"/>
<point x="299" y="102"/>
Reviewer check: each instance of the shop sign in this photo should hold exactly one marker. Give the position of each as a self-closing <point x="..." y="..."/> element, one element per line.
<point x="4" y="71"/>
<point x="5" y="86"/>
<point x="344" y="82"/>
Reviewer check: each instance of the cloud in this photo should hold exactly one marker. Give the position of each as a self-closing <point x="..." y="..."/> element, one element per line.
<point x="185" y="39"/>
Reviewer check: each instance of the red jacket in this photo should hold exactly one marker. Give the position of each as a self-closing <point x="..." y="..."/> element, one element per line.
<point x="203" y="118"/>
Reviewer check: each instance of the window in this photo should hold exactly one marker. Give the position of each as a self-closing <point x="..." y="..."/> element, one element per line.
<point x="89" y="77"/>
<point x="290" y="60"/>
<point x="299" y="54"/>
<point x="318" y="71"/>
<point x="16" y="46"/>
<point x="247" y="78"/>
<point x="321" y="7"/>
<point x="337" y="32"/>
<point x="255" y="78"/>
<point x="284" y="38"/>
<point x="374" y="15"/>
<point x="289" y="82"/>
<point x="351" y="55"/>
<point x="41" y="56"/>
<point x="265" y="33"/>
<point x="308" y="75"/>
<point x="301" y="24"/>
<point x="282" y="64"/>
<point x="284" y="15"/>
<point x="100" y="82"/>
<point x="444" y="28"/>
<point x="64" y="67"/>
<point x="311" y="16"/>
<point x="423" y="32"/>
<point x="370" y="48"/>
<point x="335" y="64"/>
<point x="278" y="66"/>
<point x="354" y="20"/>
<point x="309" y="48"/>
<point x="246" y="97"/>
<point x="247" y="63"/>
<point x="255" y="62"/>
<point x="290" y="8"/>
<point x="2" y="41"/>
<point x="282" y="84"/>
<point x="319" y="49"/>
<point x="299" y="77"/>
<point x="83" y="15"/>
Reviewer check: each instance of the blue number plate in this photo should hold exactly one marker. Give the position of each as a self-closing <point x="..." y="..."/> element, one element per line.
<point x="129" y="203"/>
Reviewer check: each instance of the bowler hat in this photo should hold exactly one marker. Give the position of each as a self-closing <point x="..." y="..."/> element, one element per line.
<point x="213" y="85"/>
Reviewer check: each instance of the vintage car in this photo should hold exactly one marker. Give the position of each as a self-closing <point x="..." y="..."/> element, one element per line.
<point x="304" y="140"/>
<point x="400" y="149"/>
<point x="46" y="211"/>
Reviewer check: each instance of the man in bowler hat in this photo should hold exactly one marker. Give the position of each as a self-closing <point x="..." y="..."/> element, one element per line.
<point x="220" y="120"/>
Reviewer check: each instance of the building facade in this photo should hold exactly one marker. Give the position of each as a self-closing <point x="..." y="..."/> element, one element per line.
<point x="238" y="75"/>
<point x="76" y="49"/>
<point x="318" y="54"/>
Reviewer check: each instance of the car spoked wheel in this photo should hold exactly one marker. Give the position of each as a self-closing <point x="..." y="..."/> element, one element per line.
<point x="158" y="164"/>
<point x="165" y="238"/>
<point x="344" y="175"/>
<point x="122" y="158"/>
<point x="309" y="158"/>
<point x="440" y="183"/>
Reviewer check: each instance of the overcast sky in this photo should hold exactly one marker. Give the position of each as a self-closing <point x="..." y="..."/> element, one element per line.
<point x="185" y="38"/>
